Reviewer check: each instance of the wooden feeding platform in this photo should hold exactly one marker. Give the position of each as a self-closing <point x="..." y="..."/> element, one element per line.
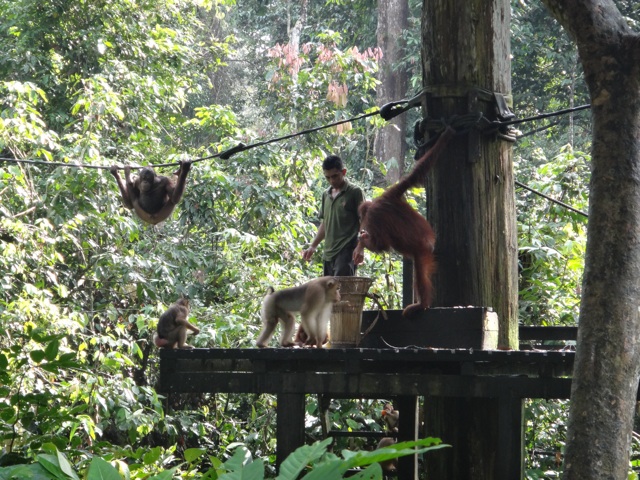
<point x="449" y="356"/>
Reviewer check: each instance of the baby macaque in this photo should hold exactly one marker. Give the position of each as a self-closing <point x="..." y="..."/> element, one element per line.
<point x="314" y="300"/>
<point x="173" y="326"/>
<point x="302" y="339"/>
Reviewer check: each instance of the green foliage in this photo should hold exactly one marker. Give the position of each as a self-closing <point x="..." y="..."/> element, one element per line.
<point x="319" y="84"/>
<point x="552" y="239"/>
<point x="312" y="460"/>
<point x="545" y="421"/>
<point x="84" y="281"/>
<point x="329" y="466"/>
<point x="346" y="415"/>
<point x="547" y="76"/>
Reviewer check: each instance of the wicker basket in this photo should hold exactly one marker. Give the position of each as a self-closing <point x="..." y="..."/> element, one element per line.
<point x="346" y="317"/>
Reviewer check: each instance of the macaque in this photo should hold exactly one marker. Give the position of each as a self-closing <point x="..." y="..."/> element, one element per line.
<point x="173" y="326"/>
<point x="314" y="300"/>
<point x="388" y="465"/>
<point x="390" y="416"/>
<point x="302" y="339"/>
<point x="153" y="197"/>
<point x="389" y="222"/>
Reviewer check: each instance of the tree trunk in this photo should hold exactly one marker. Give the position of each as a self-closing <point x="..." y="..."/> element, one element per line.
<point x="471" y="204"/>
<point x="390" y="142"/>
<point x="295" y="33"/>
<point x="606" y="369"/>
<point x="470" y="193"/>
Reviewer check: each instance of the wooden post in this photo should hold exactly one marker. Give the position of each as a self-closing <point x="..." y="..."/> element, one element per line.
<point x="408" y="431"/>
<point x="471" y="205"/>
<point x="407" y="282"/>
<point x="460" y="422"/>
<point x="290" y="425"/>
<point x="510" y="437"/>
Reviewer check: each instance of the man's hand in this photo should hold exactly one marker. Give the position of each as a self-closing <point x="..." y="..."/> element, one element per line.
<point x="308" y="253"/>
<point x="358" y="254"/>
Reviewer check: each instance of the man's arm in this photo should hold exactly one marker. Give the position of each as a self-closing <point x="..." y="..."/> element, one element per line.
<point x="308" y="253"/>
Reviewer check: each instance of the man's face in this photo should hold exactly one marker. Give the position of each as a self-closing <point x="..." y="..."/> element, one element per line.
<point x="335" y="177"/>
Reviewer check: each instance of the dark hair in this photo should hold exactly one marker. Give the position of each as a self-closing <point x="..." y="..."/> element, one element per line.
<point x="331" y="162"/>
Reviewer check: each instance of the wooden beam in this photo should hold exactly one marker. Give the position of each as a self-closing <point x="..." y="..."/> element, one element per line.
<point x="464" y="327"/>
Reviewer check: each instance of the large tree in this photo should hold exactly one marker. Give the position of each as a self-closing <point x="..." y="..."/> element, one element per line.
<point x="390" y="143"/>
<point x="607" y="365"/>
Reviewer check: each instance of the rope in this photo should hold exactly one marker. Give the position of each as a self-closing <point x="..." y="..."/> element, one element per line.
<point x="242" y="147"/>
<point x="387" y="112"/>
<point x="538" y="130"/>
<point x="55" y="164"/>
<point x="551" y="199"/>
<point x="544" y="115"/>
<point x="225" y="155"/>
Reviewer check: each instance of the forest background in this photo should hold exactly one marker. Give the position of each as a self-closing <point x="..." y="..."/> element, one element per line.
<point x="152" y="82"/>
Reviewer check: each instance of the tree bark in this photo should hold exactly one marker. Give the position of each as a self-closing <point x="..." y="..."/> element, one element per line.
<point x="470" y="192"/>
<point x="390" y="142"/>
<point x="606" y="369"/>
<point x="471" y="204"/>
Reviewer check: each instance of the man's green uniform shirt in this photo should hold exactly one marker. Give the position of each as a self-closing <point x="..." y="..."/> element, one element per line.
<point x="340" y="217"/>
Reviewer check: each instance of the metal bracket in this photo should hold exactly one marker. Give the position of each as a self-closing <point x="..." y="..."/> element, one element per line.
<point x="393" y="109"/>
<point x="502" y="109"/>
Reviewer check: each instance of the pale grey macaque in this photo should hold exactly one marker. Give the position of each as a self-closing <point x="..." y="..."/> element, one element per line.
<point x="314" y="300"/>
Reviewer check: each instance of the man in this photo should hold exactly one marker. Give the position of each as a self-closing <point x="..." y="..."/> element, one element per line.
<point x="339" y="222"/>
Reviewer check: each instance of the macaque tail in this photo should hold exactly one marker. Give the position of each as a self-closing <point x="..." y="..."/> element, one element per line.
<point x="422" y="166"/>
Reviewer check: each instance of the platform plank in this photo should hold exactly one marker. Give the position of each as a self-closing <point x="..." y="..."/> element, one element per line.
<point x="367" y="372"/>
